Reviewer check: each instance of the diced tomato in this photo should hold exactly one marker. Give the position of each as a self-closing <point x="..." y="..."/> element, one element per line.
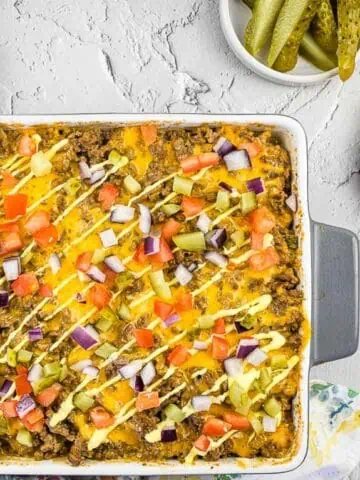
<point x="110" y="276"/>
<point x="27" y="146"/>
<point x="209" y="159"/>
<point x="184" y="302"/>
<point x="99" y="296"/>
<point x="101" y="418"/>
<point x="47" y="236"/>
<point x="9" y="408"/>
<point x="262" y="220"/>
<point x="214" y="427"/>
<point x="190" y="164"/>
<point x="144" y="337"/>
<point x="252" y="148"/>
<point x="257" y="240"/>
<point x="34" y="416"/>
<point x="37" y="221"/>
<point x="9" y="227"/>
<point x="164" y="255"/>
<point x="265" y="259"/>
<point x="237" y="421"/>
<point x="147" y="400"/>
<point x="25" y="284"/>
<point x="219" y="348"/>
<point x="162" y="309"/>
<point x="83" y="261"/>
<point x="21" y="370"/>
<point x="15" y="205"/>
<point x="170" y="228"/>
<point x="22" y="384"/>
<point x="149" y="133"/>
<point x="219" y="327"/>
<point x="140" y="256"/>
<point x="46" y="291"/>
<point x="178" y="355"/>
<point x="202" y="443"/>
<point x="49" y="395"/>
<point x="34" y="427"/>
<point x="8" y="180"/>
<point x="10" y="242"/>
<point x="107" y="195"/>
<point x="192" y="205"/>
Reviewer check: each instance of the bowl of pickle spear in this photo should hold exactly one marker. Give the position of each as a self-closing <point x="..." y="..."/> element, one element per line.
<point x="294" y="42"/>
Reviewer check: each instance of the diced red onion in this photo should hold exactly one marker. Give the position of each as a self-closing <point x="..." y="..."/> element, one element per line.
<point x="203" y="223"/>
<point x="240" y="328"/>
<point x="137" y="383"/>
<point x="201" y="403"/>
<point x="148" y="373"/>
<point x="96" y="274"/>
<point x="97" y="175"/>
<point x="114" y="263"/>
<point x="108" y="238"/>
<point x="173" y="318"/>
<point x="4" y="298"/>
<point x="151" y="245"/>
<point x="145" y="219"/>
<point x="256" y="357"/>
<point x="192" y="267"/>
<point x="246" y="346"/>
<point x="217" y="238"/>
<point x="269" y="424"/>
<point x="256" y="185"/>
<point x="182" y="274"/>
<point x="35" y="334"/>
<point x="80" y="298"/>
<point x="228" y="188"/>
<point x="291" y="202"/>
<point x="131" y="369"/>
<point x="54" y="262"/>
<point x="198" y="345"/>
<point x="122" y="214"/>
<point x="237" y="160"/>
<point x="223" y="146"/>
<point x="5" y="387"/>
<point x="93" y="332"/>
<point x="85" y="171"/>
<point x="79" y="366"/>
<point x="25" y="405"/>
<point x="91" y="371"/>
<point x="84" y="338"/>
<point x="233" y="366"/>
<point x="35" y="373"/>
<point x="12" y="268"/>
<point x="216" y="258"/>
<point x="168" y="434"/>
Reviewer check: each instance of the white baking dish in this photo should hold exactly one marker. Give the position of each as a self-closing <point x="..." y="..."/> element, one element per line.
<point x="345" y="300"/>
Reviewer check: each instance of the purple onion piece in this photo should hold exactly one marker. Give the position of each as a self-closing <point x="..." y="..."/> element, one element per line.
<point x="223" y="146"/>
<point x="256" y="357"/>
<point x="237" y="160"/>
<point x="173" y="318"/>
<point x="240" y="328"/>
<point x="182" y="274"/>
<point x="54" y="262"/>
<point x="4" y="298"/>
<point x="85" y="171"/>
<point x="131" y="369"/>
<point x="145" y="219"/>
<point x="35" y="334"/>
<point x="137" y="383"/>
<point x="84" y="338"/>
<point x="233" y="366"/>
<point x="216" y="258"/>
<point x="108" y="238"/>
<point x="246" y="346"/>
<point x="151" y="245"/>
<point x="79" y="366"/>
<point x="291" y="202"/>
<point x="5" y="387"/>
<point x="168" y="435"/>
<point x="114" y="263"/>
<point x="96" y="274"/>
<point x="148" y="373"/>
<point x="192" y="267"/>
<point x="91" y="371"/>
<point x="122" y="214"/>
<point x="217" y="237"/>
<point x="25" y="405"/>
<point x="203" y="223"/>
<point x="201" y="403"/>
<point x="35" y="373"/>
<point x="199" y="345"/>
<point x="97" y="175"/>
<point x="12" y="268"/>
<point x="256" y="185"/>
<point x="80" y="298"/>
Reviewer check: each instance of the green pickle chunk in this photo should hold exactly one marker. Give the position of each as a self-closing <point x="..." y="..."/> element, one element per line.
<point x="323" y="27"/>
<point x="292" y="24"/>
<point x="348" y="36"/>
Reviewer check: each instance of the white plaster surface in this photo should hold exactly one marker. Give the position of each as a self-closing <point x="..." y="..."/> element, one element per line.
<point x="78" y="56"/>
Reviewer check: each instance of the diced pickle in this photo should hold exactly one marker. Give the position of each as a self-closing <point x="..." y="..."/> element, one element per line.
<point x="323" y="27"/>
<point x="272" y="407"/>
<point x="206" y="321"/>
<point x="53" y="368"/>
<point x="173" y="412"/>
<point x="265" y="377"/>
<point x="239" y="399"/>
<point x="24" y="437"/>
<point x="83" y="402"/>
<point x="248" y="202"/>
<point x="183" y="185"/>
<point x="171" y="209"/>
<point x="279" y="361"/>
<point x="105" y="350"/>
<point x="11" y="357"/>
<point x="190" y="241"/>
<point x="24" y="356"/>
<point x="255" y="423"/>
<point x="131" y="184"/>
<point x="222" y="201"/>
<point x="44" y="383"/>
<point x="107" y="318"/>
<point x="238" y="237"/>
<point x="124" y="312"/>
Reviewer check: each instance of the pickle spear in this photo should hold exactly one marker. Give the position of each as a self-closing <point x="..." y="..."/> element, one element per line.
<point x="323" y="27"/>
<point x="348" y="36"/>
<point x="293" y="21"/>
<point x="315" y="55"/>
<point x="261" y="25"/>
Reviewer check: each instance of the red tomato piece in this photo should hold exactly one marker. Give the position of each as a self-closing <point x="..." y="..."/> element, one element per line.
<point x="192" y="205"/>
<point x="47" y="236"/>
<point x="49" y="395"/>
<point x="184" y="302"/>
<point x="10" y="242"/>
<point x="202" y="443"/>
<point x="22" y="384"/>
<point x="265" y="259"/>
<point x="214" y="427"/>
<point x="178" y="355"/>
<point x="147" y="400"/>
<point x="164" y="255"/>
<point x="9" y="227"/>
<point x="46" y="291"/>
<point x="25" y="284"/>
<point x="8" y="180"/>
<point x="15" y="205"/>
<point x="219" y="348"/>
<point x="144" y="337"/>
<point x="34" y="416"/>
<point x="209" y="159"/>
<point x="9" y="408"/>
<point x="37" y="221"/>
<point x="107" y="195"/>
<point x="101" y="418"/>
<point x="262" y="220"/>
<point x="27" y="146"/>
<point x="252" y="148"/>
<point x="99" y="296"/>
<point x="162" y="309"/>
<point x="170" y="228"/>
<point x="83" y="261"/>
<point x="21" y="370"/>
<point x="33" y="427"/>
<point x="257" y="240"/>
<point x="219" y="327"/>
<point x="190" y="164"/>
<point x="140" y="256"/>
<point x="237" y="421"/>
<point x="149" y="133"/>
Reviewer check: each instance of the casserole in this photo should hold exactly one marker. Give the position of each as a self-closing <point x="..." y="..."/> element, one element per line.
<point x="294" y="139"/>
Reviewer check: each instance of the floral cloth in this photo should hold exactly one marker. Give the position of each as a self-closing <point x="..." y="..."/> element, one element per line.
<point x="334" y="449"/>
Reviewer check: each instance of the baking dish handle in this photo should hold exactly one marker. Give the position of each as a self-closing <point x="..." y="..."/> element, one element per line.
<point x="335" y="286"/>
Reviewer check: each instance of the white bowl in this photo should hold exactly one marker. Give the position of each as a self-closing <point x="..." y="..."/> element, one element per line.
<point x="234" y="16"/>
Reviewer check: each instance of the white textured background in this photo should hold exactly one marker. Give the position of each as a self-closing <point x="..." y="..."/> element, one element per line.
<point x="74" y="56"/>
